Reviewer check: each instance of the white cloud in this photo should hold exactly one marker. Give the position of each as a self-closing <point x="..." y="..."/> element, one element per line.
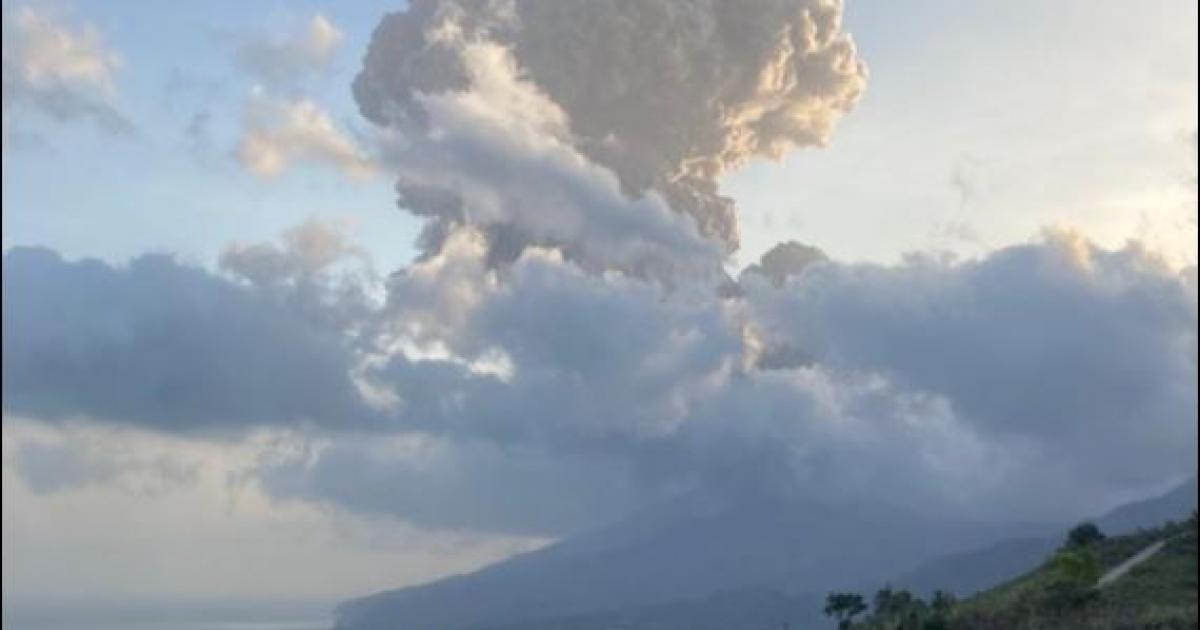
<point x="277" y="134"/>
<point x="59" y="72"/>
<point x="283" y="62"/>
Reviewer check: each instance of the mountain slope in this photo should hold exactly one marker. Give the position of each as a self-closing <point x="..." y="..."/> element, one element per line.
<point x="964" y="573"/>
<point x="744" y="563"/>
<point x="973" y="571"/>
<point x="1173" y="505"/>
<point x="688" y="549"/>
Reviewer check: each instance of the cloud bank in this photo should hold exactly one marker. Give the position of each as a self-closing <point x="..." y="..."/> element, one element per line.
<point x="165" y="345"/>
<point x="944" y="384"/>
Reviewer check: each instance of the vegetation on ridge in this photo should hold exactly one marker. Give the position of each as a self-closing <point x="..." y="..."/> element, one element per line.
<point x="1061" y="594"/>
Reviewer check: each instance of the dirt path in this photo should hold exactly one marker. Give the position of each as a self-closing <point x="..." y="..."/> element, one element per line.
<point x="1121" y="569"/>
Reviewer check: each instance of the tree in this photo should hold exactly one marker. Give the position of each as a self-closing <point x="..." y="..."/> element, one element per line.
<point x="1075" y="572"/>
<point x="1084" y="534"/>
<point x="892" y="609"/>
<point x="844" y="607"/>
<point x="942" y="602"/>
<point x="892" y="603"/>
<point x="941" y="608"/>
<point x="1077" y="565"/>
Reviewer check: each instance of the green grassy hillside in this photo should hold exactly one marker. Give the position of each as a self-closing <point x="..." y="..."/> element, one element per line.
<point x="1060" y="594"/>
<point x="1158" y="593"/>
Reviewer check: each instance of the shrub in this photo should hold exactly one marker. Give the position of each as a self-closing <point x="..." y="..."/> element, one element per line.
<point x="1084" y="534"/>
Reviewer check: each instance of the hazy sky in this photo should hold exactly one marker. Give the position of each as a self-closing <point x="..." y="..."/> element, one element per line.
<point x="268" y="381"/>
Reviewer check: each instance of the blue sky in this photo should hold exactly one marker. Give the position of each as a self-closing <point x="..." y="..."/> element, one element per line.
<point x="81" y="189"/>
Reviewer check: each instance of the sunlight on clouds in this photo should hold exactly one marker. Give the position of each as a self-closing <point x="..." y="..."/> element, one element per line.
<point x="61" y="72"/>
<point x="49" y="54"/>
<point x="279" y="133"/>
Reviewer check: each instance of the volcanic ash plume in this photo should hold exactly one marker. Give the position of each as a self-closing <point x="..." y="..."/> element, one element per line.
<point x="667" y="95"/>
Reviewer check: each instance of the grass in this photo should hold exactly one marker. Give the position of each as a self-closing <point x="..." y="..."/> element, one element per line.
<point x="1159" y="594"/>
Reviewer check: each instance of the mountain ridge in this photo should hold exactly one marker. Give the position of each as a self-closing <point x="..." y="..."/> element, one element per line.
<point x="800" y="551"/>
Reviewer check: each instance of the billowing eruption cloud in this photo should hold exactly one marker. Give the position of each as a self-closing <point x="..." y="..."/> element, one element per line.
<point x="668" y="96"/>
<point x="970" y="386"/>
<point x="786" y="260"/>
<point x="567" y="154"/>
<point x="949" y="384"/>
